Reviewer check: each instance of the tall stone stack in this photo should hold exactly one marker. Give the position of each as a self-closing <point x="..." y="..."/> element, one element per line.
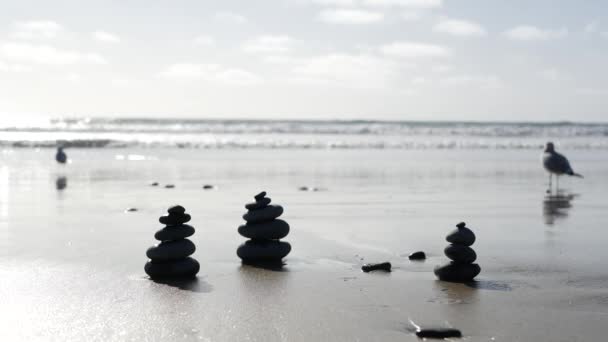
<point x="462" y="268"/>
<point x="171" y="258"/>
<point x="264" y="231"/>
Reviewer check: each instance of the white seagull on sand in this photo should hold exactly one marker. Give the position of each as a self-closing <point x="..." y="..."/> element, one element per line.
<point x="557" y="164"/>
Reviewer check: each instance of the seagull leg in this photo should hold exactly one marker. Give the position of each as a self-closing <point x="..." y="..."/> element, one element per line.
<point x="550" y="179"/>
<point x="556" y="184"/>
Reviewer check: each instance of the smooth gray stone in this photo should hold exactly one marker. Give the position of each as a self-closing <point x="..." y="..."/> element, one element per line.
<point x="256" y="250"/>
<point x="459" y="273"/>
<point x="171" y="250"/>
<point x="273" y="230"/>
<point x="174" y="219"/>
<point x="260" y="195"/>
<point x="263" y="215"/>
<point x="174" y="232"/>
<point x="461" y="254"/>
<point x="461" y="236"/>
<point x="262" y="203"/>
<point x="383" y="266"/>
<point x="182" y="268"/>
<point x="176" y="210"/>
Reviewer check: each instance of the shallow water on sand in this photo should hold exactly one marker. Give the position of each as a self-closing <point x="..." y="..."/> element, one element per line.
<point x="69" y="250"/>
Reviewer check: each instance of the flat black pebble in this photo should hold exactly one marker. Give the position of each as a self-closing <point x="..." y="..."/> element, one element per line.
<point x="154" y="184"/>
<point x="438" y="333"/>
<point x="208" y="187"/>
<point x="260" y="195"/>
<point x="417" y="256"/>
<point x="130" y="210"/>
<point x="169" y="186"/>
<point x="176" y="210"/>
<point x="383" y="266"/>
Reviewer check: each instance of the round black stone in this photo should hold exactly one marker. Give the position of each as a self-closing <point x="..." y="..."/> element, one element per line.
<point x="460" y="254"/>
<point x="169" y="186"/>
<point x="461" y="236"/>
<point x="176" y="210"/>
<point x="263" y="215"/>
<point x="456" y="272"/>
<point x="273" y="230"/>
<point x="174" y="232"/>
<point x="172" y="220"/>
<point x="171" y="250"/>
<point x="263" y="250"/>
<point x="262" y="203"/>
<point x="182" y="268"/>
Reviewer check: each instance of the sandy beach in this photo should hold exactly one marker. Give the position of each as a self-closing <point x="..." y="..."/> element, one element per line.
<point x="72" y="259"/>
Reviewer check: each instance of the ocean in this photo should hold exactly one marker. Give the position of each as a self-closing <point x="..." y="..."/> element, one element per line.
<point x="297" y="134"/>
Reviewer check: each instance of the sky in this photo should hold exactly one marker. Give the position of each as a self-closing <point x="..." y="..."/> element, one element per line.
<point x="479" y="60"/>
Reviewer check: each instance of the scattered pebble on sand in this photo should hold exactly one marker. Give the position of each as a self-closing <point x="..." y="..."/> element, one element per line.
<point x="169" y="186"/>
<point x="383" y="266"/>
<point x="417" y="256"/>
<point x="130" y="210"/>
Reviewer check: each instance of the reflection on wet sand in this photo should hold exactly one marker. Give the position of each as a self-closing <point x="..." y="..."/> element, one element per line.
<point x="556" y="207"/>
<point x="61" y="183"/>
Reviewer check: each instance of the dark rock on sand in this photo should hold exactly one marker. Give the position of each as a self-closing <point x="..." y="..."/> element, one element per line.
<point x="461" y="254"/>
<point x="383" y="266"/>
<point x="130" y="210"/>
<point x="417" y="256"/>
<point x="265" y="214"/>
<point x="303" y="188"/>
<point x="457" y="272"/>
<point x="273" y="230"/>
<point x="171" y="250"/>
<point x="439" y="333"/>
<point x="176" y="210"/>
<point x="260" y="195"/>
<point x="461" y="236"/>
<point x="208" y="187"/>
<point x="262" y="203"/>
<point x="172" y="220"/>
<point x="169" y="186"/>
<point x="174" y="232"/>
<point x="154" y="184"/>
<point x="186" y="267"/>
<point x="263" y="250"/>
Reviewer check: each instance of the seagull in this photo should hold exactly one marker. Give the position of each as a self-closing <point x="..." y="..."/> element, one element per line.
<point x="61" y="157"/>
<point x="557" y="164"/>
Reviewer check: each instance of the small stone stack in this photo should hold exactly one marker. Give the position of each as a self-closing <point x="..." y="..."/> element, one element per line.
<point x="264" y="231"/>
<point x="171" y="258"/>
<point x="461" y="269"/>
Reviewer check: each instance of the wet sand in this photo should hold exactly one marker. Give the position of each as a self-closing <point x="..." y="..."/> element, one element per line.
<point x="72" y="259"/>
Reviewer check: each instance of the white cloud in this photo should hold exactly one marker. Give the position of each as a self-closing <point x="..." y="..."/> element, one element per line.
<point x="49" y="55"/>
<point x="73" y="77"/>
<point x="485" y="82"/>
<point x="459" y="27"/>
<point x="230" y="17"/>
<point x="441" y="68"/>
<point x="268" y="44"/>
<point x="205" y="40"/>
<point x="106" y="37"/>
<point x="422" y="4"/>
<point x="411" y="15"/>
<point x="36" y="29"/>
<point x="334" y="2"/>
<point x="591" y="27"/>
<point x="350" y="16"/>
<point x="533" y="33"/>
<point x="415" y="50"/>
<point x="358" y="71"/>
<point x="551" y="74"/>
<point x="10" y="67"/>
<point x="210" y="72"/>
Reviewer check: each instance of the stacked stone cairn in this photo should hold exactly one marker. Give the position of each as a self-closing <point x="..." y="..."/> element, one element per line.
<point x="461" y="269"/>
<point x="264" y="231"/>
<point x="171" y="258"/>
